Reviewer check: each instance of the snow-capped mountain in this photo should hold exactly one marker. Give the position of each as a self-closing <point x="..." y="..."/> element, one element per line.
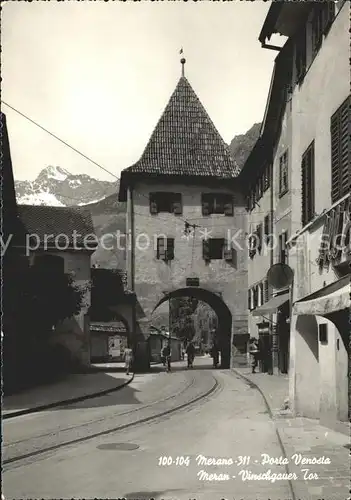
<point x="56" y="186"/>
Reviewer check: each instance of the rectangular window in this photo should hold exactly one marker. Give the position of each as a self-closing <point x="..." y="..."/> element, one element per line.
<point x="283" y="238"/>
<point x="217" y="203"/>
<point x="259" y="237"/>
<point x="300" y="57"/>
<point x="165" y="202"/>
<point x="216" y="248"/>
<point x="308" y="185"/>
<point x="340" y="151"/>
<point x="255" y="304"/>
<point x="165" y="249"/>
<point x="267" y="228"/>
<point x="317" y="28"/>
<point x="250" y="299"/>
<point x="283" y="174"/>
<point x="322" y="19"/>
<point x="329" y="15"/>
<point x="260" y="187"/>
<point x="267" y="178"/>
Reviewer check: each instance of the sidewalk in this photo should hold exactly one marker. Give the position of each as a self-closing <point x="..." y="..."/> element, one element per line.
<point x="310" y="439"/>
<point x="274" y="387"/>
<point x="73" y="388"/>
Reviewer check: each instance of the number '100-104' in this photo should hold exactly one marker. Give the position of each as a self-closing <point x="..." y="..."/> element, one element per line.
<point x="174" y="461"/>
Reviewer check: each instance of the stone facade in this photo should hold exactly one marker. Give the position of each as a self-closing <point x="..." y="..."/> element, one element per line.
<point x="187" y="158"/>
<point x="154" y="277"/>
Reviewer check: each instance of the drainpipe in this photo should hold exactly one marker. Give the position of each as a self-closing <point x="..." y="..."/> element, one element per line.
<point x="131" y="257"/>
<point x="273" y="327"/>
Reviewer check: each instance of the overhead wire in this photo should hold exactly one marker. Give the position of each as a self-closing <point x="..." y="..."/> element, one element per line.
<point x="58" y="139"/>
<point x="69" y="146"/>
<point x="183" y="220"/>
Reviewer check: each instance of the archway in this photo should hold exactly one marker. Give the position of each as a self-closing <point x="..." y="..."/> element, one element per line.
<point x="221" y="309"/>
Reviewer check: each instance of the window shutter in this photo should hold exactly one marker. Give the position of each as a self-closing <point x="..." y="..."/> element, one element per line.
<point x="248" y="203"/>
<point x="301" y="55"/>
<point x="153" y="204"/>
<point x="340" y="151"/>
<point x="170" y="249"/>
<point x="249" y="301"/>
<point x="259" y="237"/>
<point x="345" y="163"/>
<point x="334" y="135"/>
<point x="161" y="250"/>
<point x="255" y="296"/>
<point x="177" y="204"/>
<point x="266" y="291"/>
<point x="329" y="15"/>
<point x="206" y="250"/>
<point x="304" y="190"/>
<point x="307" y="169"/>
<point x="205" y="205"/>
<point x="228" y="206"/>
<point x="228" y="252"/>
<point x="266" y="228"/>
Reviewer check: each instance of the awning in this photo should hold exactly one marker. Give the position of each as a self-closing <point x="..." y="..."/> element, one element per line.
<point x="326" y="304"/>
<point x="272" y="305"/>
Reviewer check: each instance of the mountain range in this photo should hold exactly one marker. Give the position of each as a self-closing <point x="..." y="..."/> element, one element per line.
<point x="56" y="186"/>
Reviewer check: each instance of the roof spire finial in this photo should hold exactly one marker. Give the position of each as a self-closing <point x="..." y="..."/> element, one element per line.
<point x="183" y="61"/>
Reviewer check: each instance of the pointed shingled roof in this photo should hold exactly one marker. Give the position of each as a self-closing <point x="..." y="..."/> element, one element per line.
<point x="185" y="142"/>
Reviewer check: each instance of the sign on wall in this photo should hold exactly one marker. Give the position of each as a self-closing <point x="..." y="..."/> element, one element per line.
<point x="192" y="282"/>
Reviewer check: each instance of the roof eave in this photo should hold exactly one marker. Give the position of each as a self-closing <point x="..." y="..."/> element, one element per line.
<point x="284" y="18"/>
<point x="269" y="24"/>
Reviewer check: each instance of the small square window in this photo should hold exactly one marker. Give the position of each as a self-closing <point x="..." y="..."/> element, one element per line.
<point x="217" y="203"/>
<point x="165" y="249"/>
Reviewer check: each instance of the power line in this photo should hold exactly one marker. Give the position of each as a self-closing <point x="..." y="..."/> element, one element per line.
<point x="57" y="138"/>
<point x="184" y="221"/>
<point x="71" y="147"/>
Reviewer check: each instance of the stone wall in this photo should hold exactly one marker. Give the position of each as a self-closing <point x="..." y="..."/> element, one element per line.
<point x="154" y="277"/>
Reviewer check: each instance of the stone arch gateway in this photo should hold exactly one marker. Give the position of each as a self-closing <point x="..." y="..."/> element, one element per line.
<point x="221" y="309"/>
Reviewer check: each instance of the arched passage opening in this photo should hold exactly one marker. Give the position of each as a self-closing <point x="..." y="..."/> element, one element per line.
<point x="222" y="311"/>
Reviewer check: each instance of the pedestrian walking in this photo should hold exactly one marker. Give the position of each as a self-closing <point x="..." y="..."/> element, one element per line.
<point x="215" y="355"/>
<point x="254" y="352"/>
<point x="166" y="356"/>
<point x="128" y="358"/>
<point x="190" y="351"/>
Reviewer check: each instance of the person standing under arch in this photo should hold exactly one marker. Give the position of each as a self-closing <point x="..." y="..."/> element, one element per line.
<point x="215" y="354"/>
<point x="190" y="351"/>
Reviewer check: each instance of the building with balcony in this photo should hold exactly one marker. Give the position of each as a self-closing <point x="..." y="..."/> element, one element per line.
<point x="318" y="176"/>
<point x="266" y="176"/>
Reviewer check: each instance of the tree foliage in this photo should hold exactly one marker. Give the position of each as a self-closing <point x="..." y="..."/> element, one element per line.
<point x="42" y="299"/>
<point x="182" y="312"/>
<point x="34" y="302"/>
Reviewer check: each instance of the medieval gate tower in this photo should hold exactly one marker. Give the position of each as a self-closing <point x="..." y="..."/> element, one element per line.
<point x="186" y="219"/>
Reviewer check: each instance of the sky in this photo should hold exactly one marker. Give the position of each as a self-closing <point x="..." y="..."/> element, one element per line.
<point x="99" y="75"/>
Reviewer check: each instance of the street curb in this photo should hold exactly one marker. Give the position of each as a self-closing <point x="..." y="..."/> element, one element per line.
<point x="63" y="402"/>
<point x="282" y="447"/>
